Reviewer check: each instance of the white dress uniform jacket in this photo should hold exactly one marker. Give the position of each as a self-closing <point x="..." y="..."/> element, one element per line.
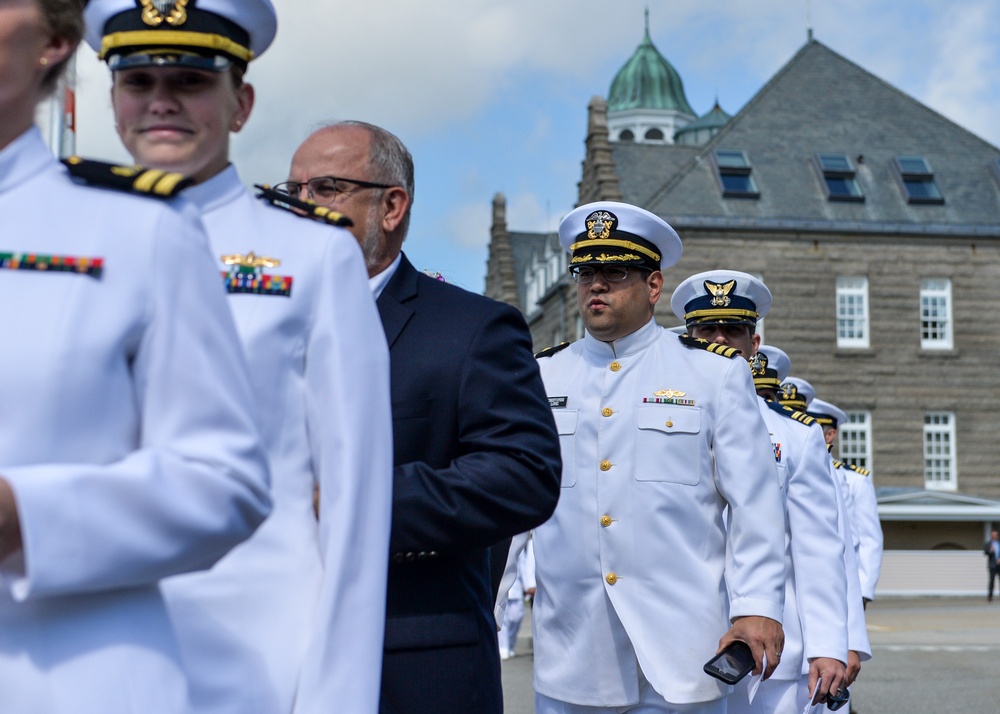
<point x="124" y="432"/>
<point x="630" y="568"/>
<point x="320" y="372"/>
<point x="867" y="528"/>
<point x="857" y="630"/>
<point x="815" y="619"/>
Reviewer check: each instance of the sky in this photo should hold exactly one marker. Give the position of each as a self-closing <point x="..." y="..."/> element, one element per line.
<point x="491" y="95"/>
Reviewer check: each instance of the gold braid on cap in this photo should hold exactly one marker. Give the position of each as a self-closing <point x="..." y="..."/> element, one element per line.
<point x="616" y="244"/>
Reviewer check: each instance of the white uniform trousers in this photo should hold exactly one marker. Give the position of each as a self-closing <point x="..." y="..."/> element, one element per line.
<point x="774" y="696"/>
<point x="650" y="702"/>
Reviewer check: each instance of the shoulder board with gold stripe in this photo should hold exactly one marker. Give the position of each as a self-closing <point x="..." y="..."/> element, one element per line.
<point x="791" y="413"/>
<point x="134" y="179"/>
<point x="713" y="347"/>
<point x="305" y="209"/>
<point x="863" y="472"/>
<point x="837" y="464"/>
<point x="549" y="351"/>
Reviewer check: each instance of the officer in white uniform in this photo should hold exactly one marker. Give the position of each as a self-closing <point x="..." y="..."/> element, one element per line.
<point x="723" y="307"/>
<point x="861" y="500"/>
<point x="658" y="436"/>
<point x="295" y="615"/>
<point x="128" y="452"/>
<point x="797" y="391"/>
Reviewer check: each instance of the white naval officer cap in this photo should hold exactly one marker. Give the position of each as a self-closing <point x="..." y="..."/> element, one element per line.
<point x="770" y="366"/>
<point x="721" y="297"/>
<point x="201" y="34"/>
<point x="613" y="233"/>
<point x="826" y="414"/>
<point x="796" y="393"/>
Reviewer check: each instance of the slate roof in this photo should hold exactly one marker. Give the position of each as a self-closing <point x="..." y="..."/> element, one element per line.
<point x="821" y="102"/>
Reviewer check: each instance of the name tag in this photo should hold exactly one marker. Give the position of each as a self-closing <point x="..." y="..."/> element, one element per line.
<point x="558" y="402"/>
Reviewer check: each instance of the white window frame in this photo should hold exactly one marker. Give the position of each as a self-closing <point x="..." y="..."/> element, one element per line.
<point x="852" y="312"/>
<point x="935" y="297"/>
<point x="854" y="439"/>
<point x="940" y="472"/>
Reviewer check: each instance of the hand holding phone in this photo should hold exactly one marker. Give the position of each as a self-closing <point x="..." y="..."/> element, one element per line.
<point x="732" y="664"/>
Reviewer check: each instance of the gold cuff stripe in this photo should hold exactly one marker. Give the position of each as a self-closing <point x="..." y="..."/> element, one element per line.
<point x="174" y="38"/>
<point x="616" y="244"/>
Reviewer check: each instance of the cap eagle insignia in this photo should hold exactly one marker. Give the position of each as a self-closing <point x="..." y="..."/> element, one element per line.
<point x="155" y="12"/>
<point x="600" y="224"/>
<point x="250" y="260"/>
<point x="758" y="365"/>
<point x="720" y="293"/>
<point x="789" y="392"/>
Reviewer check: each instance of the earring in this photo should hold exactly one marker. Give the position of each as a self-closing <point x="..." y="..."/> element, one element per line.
<point x="43" y="61"/>
<point x="239" y="123"/>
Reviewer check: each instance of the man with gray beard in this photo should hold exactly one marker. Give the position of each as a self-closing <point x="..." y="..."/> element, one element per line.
<point x="476" y="454"/>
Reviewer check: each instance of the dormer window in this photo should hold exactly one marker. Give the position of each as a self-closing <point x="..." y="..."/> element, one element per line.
<point x="654" y="135"/>
<point x="838" y="178"/>
<point x="735" y="174"/>
<point x="626" y="135"/>
<point x="917" y="179"/>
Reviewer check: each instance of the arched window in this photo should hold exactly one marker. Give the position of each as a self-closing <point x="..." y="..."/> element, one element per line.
<point x="654" y="134"/>
<point x="626" y="135"/>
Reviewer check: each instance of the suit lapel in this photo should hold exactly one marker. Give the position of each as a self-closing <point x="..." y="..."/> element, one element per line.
<point x="395" y="303"/>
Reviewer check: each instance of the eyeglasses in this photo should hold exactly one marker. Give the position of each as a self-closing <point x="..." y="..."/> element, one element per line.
<point x="612" y="273"/>
<point x="836" y="701"/>
<point x="325" y="188"/>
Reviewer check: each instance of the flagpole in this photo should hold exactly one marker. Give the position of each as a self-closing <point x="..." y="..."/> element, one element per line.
<point x="62" y="114"/>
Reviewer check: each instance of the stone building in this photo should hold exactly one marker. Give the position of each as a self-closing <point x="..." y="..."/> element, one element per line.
<point x="874" y="220"/>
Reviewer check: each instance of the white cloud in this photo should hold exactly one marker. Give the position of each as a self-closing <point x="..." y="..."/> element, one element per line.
<point x="436" y="73"/>
<point x="963" y="80"/>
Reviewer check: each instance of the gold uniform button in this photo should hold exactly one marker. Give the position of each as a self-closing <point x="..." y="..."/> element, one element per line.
<point x="607" y="411"/>
<point x="605" y="521"/>
<point x="615" y="366"/>
<point x="611" y="578"/>
<point x="669" y="423"/>
<point x="605" y="465"/>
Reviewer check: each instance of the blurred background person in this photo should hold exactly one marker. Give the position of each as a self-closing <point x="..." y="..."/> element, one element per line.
<point x="127" y="451"/>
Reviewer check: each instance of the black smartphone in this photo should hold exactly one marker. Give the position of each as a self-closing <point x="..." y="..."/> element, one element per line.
<point x="732" y="664"/>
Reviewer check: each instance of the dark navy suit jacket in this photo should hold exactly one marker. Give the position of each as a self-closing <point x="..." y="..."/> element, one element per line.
<point x="476" y="461"/>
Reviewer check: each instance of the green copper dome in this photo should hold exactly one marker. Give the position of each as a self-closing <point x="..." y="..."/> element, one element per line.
<point x="648" y="81"/>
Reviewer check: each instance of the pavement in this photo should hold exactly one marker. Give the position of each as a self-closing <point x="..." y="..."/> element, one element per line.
<point x="939" y="655"/>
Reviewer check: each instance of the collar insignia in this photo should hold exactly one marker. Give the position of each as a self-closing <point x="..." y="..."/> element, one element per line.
<point x="155" y="12"/>
<point x="720" y="292"/>
<point x="600" y="224"/>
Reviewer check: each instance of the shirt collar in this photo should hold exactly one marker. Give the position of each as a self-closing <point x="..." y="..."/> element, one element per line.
<point x="378" y="282"/>
<point x="624" y="346"/>
<point x="23" y="158"/>
<point x="219" y="190"/>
